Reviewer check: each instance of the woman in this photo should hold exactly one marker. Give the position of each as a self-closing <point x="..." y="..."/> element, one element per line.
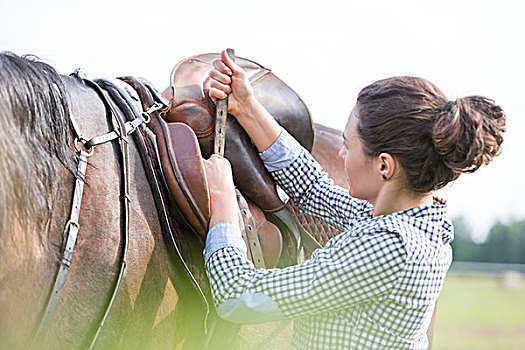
<point x="375" y="285"/>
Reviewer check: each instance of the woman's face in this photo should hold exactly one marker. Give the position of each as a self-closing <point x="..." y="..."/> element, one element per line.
<point x="360" y="170"/>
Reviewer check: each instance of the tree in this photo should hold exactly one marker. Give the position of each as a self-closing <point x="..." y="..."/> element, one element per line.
<point x="463" y="247"/>
<point x="506" y="243"/>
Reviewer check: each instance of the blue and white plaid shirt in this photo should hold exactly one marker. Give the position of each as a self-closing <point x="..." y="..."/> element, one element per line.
<point x="372" y="287"/>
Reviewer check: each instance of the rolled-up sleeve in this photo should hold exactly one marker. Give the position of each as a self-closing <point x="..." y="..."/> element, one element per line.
<point x="221" y="235"/>
<point x="281" y="153"/>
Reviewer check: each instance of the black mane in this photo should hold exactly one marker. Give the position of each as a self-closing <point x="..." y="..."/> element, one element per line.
<point x="35" y="136"/>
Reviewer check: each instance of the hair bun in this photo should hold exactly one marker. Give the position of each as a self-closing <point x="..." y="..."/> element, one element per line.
<point x="468" y="133"/>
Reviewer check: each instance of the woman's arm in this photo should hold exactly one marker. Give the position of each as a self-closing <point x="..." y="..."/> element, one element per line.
<point x="333" y="278"/>
<point x="302" y="179"/>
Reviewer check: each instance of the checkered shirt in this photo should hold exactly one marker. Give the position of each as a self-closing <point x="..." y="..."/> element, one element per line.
<point x="372" y="287"/>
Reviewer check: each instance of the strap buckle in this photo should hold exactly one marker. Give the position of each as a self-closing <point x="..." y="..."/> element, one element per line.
<point x="79" y="144"/>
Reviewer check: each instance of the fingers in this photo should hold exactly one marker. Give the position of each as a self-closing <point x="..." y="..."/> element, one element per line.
<point x="226" y="77"/>
<point x="221" y="77"/>
<point x="234" y="67"/>
<point x="220" y="80"/>
<point x="217" y="163"/>
<point x="219" y="86"/>
<point x="219" y="174"/>
<point x="217" y="94"/>
<point x="219" y="65"/>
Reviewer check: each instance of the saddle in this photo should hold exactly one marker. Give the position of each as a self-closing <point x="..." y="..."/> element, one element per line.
<point x="171" y="152"/>
<point x="183" y="133"/>
<point x="190" y="104"/>
<point x="179" y="156"/>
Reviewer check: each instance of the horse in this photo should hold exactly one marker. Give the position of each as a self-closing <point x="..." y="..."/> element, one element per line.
<point x="156" y="306"/>
<point x="37" y="175"/>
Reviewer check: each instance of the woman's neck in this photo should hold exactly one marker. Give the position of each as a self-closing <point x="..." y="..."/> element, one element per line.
<point x="392" y="198"/>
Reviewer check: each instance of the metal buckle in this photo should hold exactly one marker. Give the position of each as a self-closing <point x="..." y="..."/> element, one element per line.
<point x="71" y="223"/>
<point x="154" y="108"/>
<point x="80" y="146"/>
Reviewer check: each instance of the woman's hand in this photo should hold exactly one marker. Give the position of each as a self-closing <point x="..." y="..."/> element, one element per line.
<point x="227" y="79"/>
<point x="223" y="202"/>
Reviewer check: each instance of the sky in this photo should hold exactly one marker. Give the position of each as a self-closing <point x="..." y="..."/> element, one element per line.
<point x="325" y="50"/>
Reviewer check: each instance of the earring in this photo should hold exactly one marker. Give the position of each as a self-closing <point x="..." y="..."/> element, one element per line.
<point x="384" y="176"/>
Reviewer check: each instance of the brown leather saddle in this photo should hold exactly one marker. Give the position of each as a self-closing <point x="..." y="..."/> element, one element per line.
<point x="184" y="134"/>
<point x="191" y="104"/>
<point x="179" y="156"/>
<point x="179" y="151"/>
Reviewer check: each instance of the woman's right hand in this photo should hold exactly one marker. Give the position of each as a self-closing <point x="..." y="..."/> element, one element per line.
<point x="228" y="79"/>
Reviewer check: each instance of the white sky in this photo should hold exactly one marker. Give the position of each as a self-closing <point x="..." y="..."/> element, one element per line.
<point x="326" y="50"/>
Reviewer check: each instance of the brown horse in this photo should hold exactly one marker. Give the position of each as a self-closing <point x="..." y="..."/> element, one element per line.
<point x="152" y="310"/>
<point x="156" y="306"/>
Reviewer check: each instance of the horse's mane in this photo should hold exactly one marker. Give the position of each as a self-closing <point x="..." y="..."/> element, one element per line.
<point x="35" y="137"/>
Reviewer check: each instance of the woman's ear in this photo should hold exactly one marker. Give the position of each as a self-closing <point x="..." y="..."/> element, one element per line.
<point x="386" y="165"/>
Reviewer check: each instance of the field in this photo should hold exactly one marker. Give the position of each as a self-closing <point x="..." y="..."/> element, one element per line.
<point x="480" y="313"/>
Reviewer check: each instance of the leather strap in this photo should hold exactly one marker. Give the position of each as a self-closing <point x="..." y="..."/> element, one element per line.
<point x="129" y="128"/>
<point x="221" y="112"/>
<point x="250" y="232"/>
<point x="70" y="236"/>
<point x="124" y="142"/>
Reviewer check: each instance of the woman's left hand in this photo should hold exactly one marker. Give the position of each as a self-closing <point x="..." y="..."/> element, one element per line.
<point x="223" y="202"/>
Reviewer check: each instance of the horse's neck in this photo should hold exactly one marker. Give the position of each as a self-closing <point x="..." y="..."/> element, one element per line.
<point x="29" y="255"/>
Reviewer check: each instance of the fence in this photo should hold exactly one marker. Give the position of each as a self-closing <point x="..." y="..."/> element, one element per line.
<point x="482" y="268"/>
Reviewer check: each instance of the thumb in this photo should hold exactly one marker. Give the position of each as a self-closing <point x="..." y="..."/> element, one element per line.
<point x="236" y="69"/>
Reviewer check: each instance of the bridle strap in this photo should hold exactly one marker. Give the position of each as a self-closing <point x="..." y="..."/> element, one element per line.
<point x="70" y="236"/>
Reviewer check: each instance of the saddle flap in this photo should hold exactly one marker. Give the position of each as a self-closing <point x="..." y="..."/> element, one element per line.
<point x="184" y="173"/>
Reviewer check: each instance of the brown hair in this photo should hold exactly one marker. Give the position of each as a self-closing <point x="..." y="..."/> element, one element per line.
<point x="435" y="140"/>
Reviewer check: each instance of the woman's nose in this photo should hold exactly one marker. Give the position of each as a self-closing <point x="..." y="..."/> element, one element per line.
<point x="341" y="152"/>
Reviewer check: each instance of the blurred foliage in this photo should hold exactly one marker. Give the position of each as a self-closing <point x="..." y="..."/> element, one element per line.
<point x="505" y="243"/>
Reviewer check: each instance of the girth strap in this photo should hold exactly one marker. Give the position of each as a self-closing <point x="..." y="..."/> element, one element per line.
<point x="124" y="143"/>
<point x="250" y="232"/>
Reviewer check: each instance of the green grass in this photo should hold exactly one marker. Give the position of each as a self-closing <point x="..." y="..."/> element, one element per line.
<point x="480" y="313"/>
